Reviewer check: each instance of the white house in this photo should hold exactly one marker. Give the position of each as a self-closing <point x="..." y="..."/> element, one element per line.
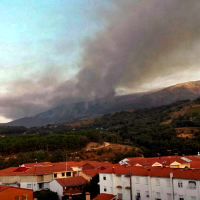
<point x="153" y="183"/>
<point x="68" y="186"/>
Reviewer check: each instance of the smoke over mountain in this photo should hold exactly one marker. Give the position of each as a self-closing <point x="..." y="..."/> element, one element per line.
<point x="143" y="40"/>
<point x="148" y="39"/>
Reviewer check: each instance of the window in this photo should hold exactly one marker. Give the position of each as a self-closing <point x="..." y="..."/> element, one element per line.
<point x="24" y="197"/>
<point x="169" y="196"/>
<point x="180" y="184"/>
<point x="28" y="186"/>
<point x="157" y="182"/>
<point x="158" y="195"/>
<point x="17" y="197"/>
<point x="168" y="183"/>
<point x="146" y="181"/>
<point x="104" y="177"/>
<point x="137" y="180"/>
<point x="120" y="195"/>
<point x="111" y="189"/>
<point x="147" y="194"/>
<point x="193" y="198"/>
<point x="68" y="174"/>
<point x="63" y="174"/>
<point x="55" y="175"/>
<point x="181" y="197"/>
<point x="192" y="185"/>
<point x="137" y="197"/>
<point x="104" y="189"/>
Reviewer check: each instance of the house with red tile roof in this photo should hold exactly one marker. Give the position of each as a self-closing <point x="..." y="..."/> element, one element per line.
<point x="131" y="182"/>
<point x="14" y="193"/>
<point x="68" y="186"/>
<point x="34" y="177"/>
<point x="167" y="161"/>
<point x="37" y="176"/>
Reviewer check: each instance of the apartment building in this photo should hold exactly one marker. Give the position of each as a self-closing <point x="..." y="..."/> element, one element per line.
<point x="152" y="183"/>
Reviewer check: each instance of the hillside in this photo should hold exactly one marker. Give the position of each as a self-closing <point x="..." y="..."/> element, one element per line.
<point x="80" y="111"/>
<point x="169" y="129"/>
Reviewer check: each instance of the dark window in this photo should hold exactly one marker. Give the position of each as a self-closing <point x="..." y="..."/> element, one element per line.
<point x="192" y="185"/>
<point x="55" y="175"/>
<point x="63" y="174"/>
<point x="104" y="178"/>
<point x="180" y="184"/>
<point x="68" y="174"/>
<point x="24" y="197"/>
<point x="104" y="189"/>
<point x="17" y="198"/>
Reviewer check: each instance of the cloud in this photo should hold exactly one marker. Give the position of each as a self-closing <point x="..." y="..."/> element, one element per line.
<point x="142" y="41"/>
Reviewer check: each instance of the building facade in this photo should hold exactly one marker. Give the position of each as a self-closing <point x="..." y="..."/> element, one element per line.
<point x="154" y="183"/>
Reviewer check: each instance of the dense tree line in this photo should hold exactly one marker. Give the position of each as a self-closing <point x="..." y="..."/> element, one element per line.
<point x="142" y="128"/>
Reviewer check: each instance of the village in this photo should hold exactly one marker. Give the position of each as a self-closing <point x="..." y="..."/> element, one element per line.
<point x="136" y="178"/>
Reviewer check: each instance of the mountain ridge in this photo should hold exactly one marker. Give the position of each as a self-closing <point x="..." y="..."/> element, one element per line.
<point x="73" y="112"/>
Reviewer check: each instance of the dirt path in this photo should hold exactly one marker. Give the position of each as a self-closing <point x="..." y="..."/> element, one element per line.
<point x="95" y="146"/>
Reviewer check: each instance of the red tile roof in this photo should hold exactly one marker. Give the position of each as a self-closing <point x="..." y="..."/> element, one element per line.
<point x="91" y="172"/>
<point x="140" y="171"/>
<point x="4" y="187"/>
<point x="187" y="174"/>
<point x="195" y="164"/>
<point x="164" y="160"/>
<point x="156" y="172"/>
<point x="36" y="164"/>
<point x="48" y="169"/>
<point x="66" y="182"/>
<point x="94" y="164"/>
<point x="104" y="196"/>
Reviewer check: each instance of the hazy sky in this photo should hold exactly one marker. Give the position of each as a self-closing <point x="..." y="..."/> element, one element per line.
<point x="57" y="51"/>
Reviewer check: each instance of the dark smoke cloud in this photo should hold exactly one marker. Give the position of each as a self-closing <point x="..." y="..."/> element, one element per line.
<point x="143" y="40"/>
<point x="151" y="39"/>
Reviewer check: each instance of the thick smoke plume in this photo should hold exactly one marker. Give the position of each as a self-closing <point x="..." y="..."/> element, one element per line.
<point x="147" y="39"/>
<point x="142" y="40"/>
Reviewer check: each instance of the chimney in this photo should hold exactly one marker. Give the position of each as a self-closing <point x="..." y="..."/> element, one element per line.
<point x="113" y="170"/>
<point x="198" y="153"/>
<point x="87" y="195"/>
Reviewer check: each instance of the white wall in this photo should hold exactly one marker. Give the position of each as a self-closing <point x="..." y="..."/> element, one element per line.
<point x="185" y="190"/>
<point x="164" y="188"/>
<point x="56" y="187"/>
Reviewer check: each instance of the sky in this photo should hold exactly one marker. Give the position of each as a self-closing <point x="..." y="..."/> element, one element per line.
<point x="54" y="52"/>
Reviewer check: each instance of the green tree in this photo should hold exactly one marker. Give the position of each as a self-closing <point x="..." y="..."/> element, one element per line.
<point x="94" y="187"/>
<point x="46" y="195"/>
